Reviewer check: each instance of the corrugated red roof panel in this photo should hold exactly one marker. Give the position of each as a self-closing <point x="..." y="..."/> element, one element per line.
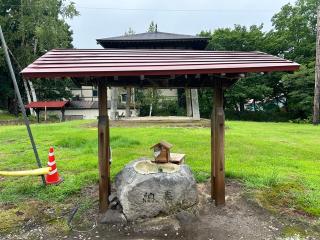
<point x="47" y="104"/>
<point x="104" y="62"/>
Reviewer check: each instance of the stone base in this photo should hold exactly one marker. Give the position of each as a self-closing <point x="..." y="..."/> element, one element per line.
<point x="113" y="217"/>
<point x="148" y="195"/>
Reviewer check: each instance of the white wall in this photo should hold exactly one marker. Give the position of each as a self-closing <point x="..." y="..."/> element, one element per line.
<point x="168" y="92"/>
<point x="86" y="113"/>
<point x="85" y="93"/>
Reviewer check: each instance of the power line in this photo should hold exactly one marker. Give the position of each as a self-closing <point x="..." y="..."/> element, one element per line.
<point x="173" y="10"/>
<point x="155" y="9"/>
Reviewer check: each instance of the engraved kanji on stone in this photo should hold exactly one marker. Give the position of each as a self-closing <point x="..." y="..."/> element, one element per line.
<point x="168" y="196"/>
<point x="148" y="197"/>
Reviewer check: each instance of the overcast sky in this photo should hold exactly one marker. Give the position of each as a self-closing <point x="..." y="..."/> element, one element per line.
<point x="107" y="18"/>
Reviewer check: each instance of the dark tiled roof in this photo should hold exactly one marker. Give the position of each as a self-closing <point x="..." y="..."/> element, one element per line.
<point x="155" y="40"/>
<point x="152" y="36"/>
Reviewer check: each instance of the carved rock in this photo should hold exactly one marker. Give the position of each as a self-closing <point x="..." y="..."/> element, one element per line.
<point x="113" y="217"/>
<point x="148" y="195"/>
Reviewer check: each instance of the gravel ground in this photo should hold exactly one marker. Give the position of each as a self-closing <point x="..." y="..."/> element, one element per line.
<point x="239" y="219"/>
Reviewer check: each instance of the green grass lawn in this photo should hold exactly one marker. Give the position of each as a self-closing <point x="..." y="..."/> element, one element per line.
<point x="279" y="161"/>
<point x="7" y="116"/>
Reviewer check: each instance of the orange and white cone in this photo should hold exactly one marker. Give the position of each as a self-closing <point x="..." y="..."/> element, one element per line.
<point x="53" y="176"/>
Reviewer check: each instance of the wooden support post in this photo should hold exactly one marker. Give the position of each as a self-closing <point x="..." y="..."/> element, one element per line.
<point x="103" y="148"/>
<point x="188" y="102"/>
<point x="128" y="103"/>
<point x="63" y="118"/>
<point x="38" y="115"/>
<point x="217" y="147"/>
<point x="195" y="104"/>
<point x="45" y="113"/>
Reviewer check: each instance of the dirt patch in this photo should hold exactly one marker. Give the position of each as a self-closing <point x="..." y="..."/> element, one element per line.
<point x="241" y="218"/>
<point x="185" y="123"/>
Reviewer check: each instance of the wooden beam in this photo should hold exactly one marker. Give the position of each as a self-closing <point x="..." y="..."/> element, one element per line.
<point x="103" y="148"/>
<point x="217" y="147"/>
<point x="166" y="82"/>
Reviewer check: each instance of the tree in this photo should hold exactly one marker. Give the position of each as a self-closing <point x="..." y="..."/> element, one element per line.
<point x="293" y="37"/>
<point x="316" y="101"/>
<point x="130" y="32"/>
<point x="153" y="27"/>
<point x="239" y="38"/>
<point x="299" y="86"/>
<point x="31" y="28"/>
<point x="295" y="30"/>
<point x="147" y="100"/>
<point x="255" y="87"/>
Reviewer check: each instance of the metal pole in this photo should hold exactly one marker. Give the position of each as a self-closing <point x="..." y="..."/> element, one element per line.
<point x="23" y="110"/>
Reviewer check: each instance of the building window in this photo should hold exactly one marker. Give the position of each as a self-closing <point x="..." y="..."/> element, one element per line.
<point x="124" y="97"/>
<point x="94" y="92"/>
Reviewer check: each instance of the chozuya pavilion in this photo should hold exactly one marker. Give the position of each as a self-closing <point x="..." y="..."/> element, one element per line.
<point x="163" y="68"/>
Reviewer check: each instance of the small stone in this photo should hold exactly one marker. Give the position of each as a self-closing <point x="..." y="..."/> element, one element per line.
<point x="185" y="217"/>
<point x="113" y="205"/>
<point x="119" y="207"/>
<point x="19" y="213"/>
<point x="113" y="217"/>
<point x="112" y="197"/>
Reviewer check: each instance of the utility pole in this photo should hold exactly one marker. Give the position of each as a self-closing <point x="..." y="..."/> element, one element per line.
<point x="22" y="108"/>
<point x="316" y="104"/>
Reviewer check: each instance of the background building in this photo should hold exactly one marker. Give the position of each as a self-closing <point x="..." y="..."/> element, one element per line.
<point x="157" y="40"/>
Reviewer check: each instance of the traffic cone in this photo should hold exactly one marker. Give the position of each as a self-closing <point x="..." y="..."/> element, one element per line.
<point x="53" y="176"/>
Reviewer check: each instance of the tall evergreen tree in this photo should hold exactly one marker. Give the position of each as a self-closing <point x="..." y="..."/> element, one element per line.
<point x="31" y="28"/>
<point x="153" y="27"/>
<point x="293" y="37"/>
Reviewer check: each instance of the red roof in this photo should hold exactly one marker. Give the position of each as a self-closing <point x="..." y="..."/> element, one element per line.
<point x="104" y="62"/>
<point x="48" y="104"/>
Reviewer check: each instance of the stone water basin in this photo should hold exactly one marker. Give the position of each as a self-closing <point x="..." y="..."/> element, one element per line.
<point x="146" y="189"/>
<point x="148" y="167"/>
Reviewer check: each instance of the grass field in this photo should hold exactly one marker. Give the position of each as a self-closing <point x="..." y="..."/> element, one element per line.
<point x="280" y="162"/>
<point x="7" y="116"/>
